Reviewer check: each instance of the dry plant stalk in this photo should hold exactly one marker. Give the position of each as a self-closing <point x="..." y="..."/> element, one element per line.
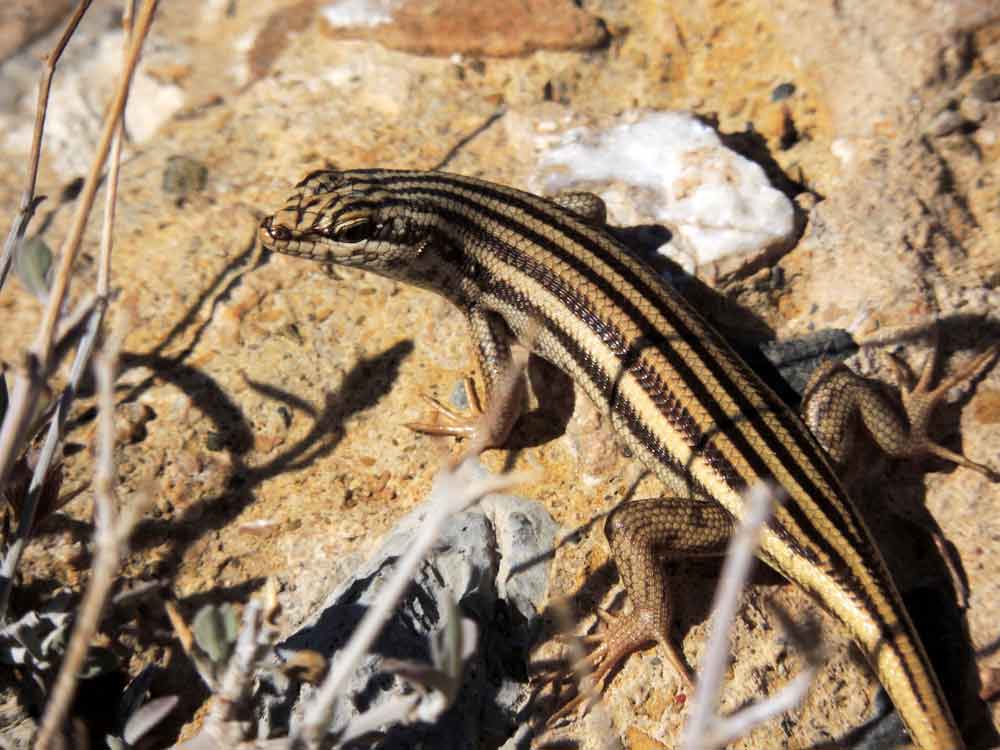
<point x="39" y="361"/>
<point x="29" y="202"/>
<point x="29" y="384"/>
<point x="111" y="534"/>
<point x="55" y="333"/>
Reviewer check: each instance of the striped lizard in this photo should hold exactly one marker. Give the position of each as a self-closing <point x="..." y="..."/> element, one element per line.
<point x="547" y="274"/>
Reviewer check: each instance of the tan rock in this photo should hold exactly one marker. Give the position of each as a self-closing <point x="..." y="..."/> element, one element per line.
<point x="492" y="28"/>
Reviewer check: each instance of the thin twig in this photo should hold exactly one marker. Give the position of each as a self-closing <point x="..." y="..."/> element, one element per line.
<point x="28" y="200"/>
<point x="728" y="729"/>
<point x="111" y="197"/>
<point x="71" y="245"/>
<point x="735" y="574"/>
<point x="469" y="137"/>
<point x="705" y="729"/>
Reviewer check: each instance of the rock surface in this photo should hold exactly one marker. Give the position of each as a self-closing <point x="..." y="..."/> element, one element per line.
<point x="275" y="396"/>
<point x="477" y="562"/>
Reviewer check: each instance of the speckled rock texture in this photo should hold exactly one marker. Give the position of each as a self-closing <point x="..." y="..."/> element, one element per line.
<point x="269" y="400"/>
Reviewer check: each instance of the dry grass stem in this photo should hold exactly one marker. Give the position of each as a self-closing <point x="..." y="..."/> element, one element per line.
<point x="111" y="533"/>
<point x="92" y="308"/>
<point x="38" y="361"/>
<point x="71" y="245"/>
<point x="28" y="200"/>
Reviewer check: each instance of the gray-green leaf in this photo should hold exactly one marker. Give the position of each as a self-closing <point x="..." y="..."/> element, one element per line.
<point x="32" y="265"/>
<point x="215" y="630"/>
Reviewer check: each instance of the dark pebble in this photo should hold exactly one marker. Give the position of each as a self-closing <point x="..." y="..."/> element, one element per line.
<point x="782" y="92"/>
<point x="184" y="175"/>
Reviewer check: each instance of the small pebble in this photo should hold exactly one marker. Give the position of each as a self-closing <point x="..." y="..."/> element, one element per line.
<point x="987" y="88"/>
<point x="782" y="91"/>
<point x="459" y="398"/>
<point x="183" y="176"/>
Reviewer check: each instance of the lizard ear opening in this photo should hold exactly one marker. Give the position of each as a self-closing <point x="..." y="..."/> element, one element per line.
<point x="354" y="231"/>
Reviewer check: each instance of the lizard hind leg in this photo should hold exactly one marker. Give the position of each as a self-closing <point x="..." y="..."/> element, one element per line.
<point x="642" y="535"/>
<point x="837" y="399"/>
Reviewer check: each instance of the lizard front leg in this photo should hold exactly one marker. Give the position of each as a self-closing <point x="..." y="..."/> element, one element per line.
<point x="504" y="386"/>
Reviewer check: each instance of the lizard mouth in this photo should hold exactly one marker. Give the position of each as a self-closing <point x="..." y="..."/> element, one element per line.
<point x="281" y="238"/>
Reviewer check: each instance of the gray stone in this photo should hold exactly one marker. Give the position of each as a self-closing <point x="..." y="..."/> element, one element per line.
<point x="493" y="561"/>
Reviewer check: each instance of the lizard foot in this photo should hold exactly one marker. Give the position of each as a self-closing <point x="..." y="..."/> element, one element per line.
<point x="920" y="399"/>
<point x="485" y="428"/>
<point x="609" y="647"/>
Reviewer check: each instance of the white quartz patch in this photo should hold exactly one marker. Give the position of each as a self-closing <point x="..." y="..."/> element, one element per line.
<point x="718" y="203"/>
<point x="359" y="12"/>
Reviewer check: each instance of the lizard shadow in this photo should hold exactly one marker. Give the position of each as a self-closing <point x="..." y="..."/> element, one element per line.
<point x="206" y="394"/>
<point x="891" y="497"/>
<point x="362" y="386"/>
<point x="553" y="389"/>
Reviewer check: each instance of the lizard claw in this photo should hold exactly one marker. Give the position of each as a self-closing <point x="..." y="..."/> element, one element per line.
<point x="920" y="399"/>
<point x="443" y="420"/>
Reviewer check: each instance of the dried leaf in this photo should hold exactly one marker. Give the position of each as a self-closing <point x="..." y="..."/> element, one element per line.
<point x="134" y="694"/>
<point x="35" y="640"/>
<point x="448" y="652"/>
<point x="184" y="633"/>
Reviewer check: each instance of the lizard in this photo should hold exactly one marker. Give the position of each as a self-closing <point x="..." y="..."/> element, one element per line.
<point x="547" y="275"/>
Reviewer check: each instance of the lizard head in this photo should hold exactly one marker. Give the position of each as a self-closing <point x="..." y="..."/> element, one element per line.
<point x="349" y="219"/>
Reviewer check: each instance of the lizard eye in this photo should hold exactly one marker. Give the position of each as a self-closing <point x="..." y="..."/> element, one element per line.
<point x="355" y="230"/>
<point x="278" y="233"/>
